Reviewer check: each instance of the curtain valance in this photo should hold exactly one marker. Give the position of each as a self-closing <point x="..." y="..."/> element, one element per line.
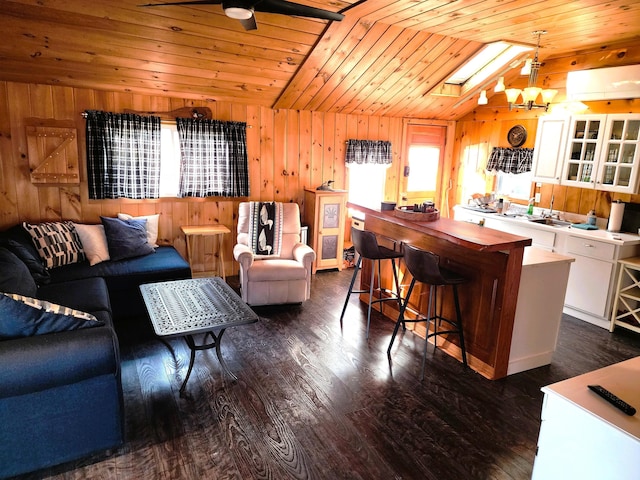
<point x="510" y="160"/>
<point x="368" y="152"/>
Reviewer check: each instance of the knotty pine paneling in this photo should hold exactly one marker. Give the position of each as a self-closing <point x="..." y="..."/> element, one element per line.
<point x="288" y="150"/>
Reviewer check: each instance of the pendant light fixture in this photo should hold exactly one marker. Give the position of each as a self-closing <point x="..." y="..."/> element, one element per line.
<point x="531" y="93"/>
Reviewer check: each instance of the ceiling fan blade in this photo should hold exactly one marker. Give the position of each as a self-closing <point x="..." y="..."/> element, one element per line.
<point x="284" y="7"/>
<point x="193" y="2"/>
<point x="249" y="23"/>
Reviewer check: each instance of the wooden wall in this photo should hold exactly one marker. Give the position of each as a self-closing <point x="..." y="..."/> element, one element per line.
<point x="288" y="150"/>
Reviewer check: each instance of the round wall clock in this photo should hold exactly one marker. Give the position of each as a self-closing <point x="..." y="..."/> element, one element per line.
<point x="517" y="135"/>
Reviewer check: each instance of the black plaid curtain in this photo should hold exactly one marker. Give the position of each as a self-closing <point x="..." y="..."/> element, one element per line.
<point x="368" y="152"/>
<point x="510" y="160"/>
<point x="213" y="158"/>
<point x="123" y="155"/>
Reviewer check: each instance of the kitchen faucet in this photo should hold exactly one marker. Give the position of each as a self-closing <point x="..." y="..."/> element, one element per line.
<point x="550" y="214"/>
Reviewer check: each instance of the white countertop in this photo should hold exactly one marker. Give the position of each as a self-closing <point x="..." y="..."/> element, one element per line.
<point x="538" y="256"/>
<point x="621" y="379"/>
<point x="600" y="234"/>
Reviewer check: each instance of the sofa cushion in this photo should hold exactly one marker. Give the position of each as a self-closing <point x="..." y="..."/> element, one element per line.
<point x="126" y="238"/>
<point x="57" y="243"/>
<point x="276" y="270"/>
<point x="25" y="316"/>
<point x="94" y="242"/>
<point x="89" y="294"/>
<point x="166" y="262"/>
<point x="18" y="240"/>
<point x="151" y="226"/>
<point x="15" y="277"/>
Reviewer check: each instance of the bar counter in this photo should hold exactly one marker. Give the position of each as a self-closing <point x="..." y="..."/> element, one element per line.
<point x="491" y="260"/>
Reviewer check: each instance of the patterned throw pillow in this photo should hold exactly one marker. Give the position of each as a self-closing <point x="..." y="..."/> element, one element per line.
<point x="51" y="307"/>
<point x="57" y="243"/>
<point x="25" y="317"/>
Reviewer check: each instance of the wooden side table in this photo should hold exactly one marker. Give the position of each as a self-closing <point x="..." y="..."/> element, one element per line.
<point x="193" y="231"/>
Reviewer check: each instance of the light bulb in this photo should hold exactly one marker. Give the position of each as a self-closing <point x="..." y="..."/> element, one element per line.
<point x="530" y="94"/>
<point x="483" y="100"/>
<point x="499" y="86"/>
<point x="548" y="95"/>
<point x="512" y="94"/>
<point x="238" y="13"/>
<point x="526" y="68"/>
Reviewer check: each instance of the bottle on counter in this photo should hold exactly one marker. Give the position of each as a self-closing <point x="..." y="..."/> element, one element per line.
<point x="591" y="217"/>
<point x="500" y="206"/>
<point x="530" y="209"/>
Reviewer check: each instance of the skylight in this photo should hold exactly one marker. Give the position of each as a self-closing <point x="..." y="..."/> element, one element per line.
<point x="487" y="62"/>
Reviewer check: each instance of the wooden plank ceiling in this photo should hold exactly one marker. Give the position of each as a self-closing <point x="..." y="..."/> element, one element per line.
<point x="384" y="58"/>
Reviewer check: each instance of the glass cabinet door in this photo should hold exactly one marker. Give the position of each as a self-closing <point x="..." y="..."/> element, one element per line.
<point x="619" y="159"/>
<point x="583" y="150"/>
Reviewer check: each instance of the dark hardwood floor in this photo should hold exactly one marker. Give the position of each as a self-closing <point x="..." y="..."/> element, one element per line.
<point x="315" y="401"/>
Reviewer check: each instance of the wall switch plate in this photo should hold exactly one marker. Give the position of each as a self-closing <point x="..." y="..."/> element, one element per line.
<point x="537" y="197"/>
<point x="538" y="184"/>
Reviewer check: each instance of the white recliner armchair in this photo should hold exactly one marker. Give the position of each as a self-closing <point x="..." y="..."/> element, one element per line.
<point x="279" y="279"/>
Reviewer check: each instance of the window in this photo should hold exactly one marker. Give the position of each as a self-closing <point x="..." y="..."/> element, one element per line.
<point x="132" y="156"/>
<point x="423" y="164"/>
<point x="367" y="162"/>
<point x="489" y="60"/>
<point x="366" y="184"/>
<point x="169" y="160"/>
<point x="514" y="185"/>
<point x="472" y="176"/>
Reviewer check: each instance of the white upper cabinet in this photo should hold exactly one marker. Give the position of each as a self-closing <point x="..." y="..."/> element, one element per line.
<point x="583" y="150"/>
<point x="619" y="158"/>
<point x="551" y="138"/>
<point x="602" y="152"/>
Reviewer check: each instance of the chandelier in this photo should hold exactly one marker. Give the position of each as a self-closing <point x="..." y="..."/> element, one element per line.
<point x="531" y="93"/>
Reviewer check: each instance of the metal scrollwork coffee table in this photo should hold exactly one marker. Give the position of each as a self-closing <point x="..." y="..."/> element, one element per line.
<point x="184" y="308"/>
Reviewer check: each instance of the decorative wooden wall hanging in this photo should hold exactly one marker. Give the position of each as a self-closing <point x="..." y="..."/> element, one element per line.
<point x="53" y="151"/>
<point x="184" y="112"/>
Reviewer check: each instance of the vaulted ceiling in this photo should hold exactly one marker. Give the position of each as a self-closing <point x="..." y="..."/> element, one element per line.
<point x="384" y="58"/>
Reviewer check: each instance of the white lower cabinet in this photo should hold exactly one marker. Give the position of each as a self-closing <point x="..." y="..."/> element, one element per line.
<point x="592" y="278"/>
<point x="592" y="281"/>
<point x="587" y="288"/>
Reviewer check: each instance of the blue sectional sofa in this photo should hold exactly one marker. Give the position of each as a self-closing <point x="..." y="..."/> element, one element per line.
<point x="60" y="393"/>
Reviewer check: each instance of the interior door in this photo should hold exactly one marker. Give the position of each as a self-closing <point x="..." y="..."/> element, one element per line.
<point x="423" y="161"/>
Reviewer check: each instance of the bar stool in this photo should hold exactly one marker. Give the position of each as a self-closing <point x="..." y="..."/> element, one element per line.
<point x="425" y="268"/>
<point x="366" y="245"/>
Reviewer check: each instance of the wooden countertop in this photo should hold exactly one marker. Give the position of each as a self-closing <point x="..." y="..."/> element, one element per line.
<point x="464" y="234"/>
<point x="491" y="261"/>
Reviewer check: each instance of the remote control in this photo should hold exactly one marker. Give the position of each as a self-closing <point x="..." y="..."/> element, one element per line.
<point x="612" y="399"/>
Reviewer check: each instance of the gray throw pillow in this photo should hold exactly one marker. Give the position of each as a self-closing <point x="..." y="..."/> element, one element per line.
<point x="14" y="275"/>
<point x="126" y="238"/>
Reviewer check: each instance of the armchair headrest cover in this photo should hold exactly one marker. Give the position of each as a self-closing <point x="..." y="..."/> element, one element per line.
<point x="290" y="227"/>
